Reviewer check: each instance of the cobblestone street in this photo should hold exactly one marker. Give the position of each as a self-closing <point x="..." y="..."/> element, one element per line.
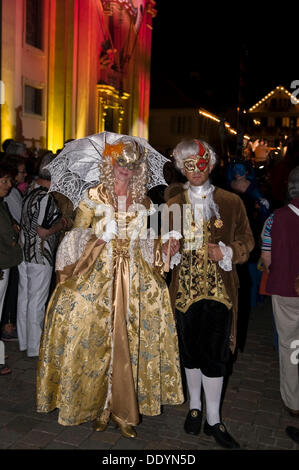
<point x="252" y="409"/>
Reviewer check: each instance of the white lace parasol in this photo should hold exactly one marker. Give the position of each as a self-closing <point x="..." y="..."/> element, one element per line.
<point x="76" y="168"/>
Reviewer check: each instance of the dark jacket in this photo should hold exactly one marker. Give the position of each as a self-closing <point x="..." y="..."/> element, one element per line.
<point x="10" y="251"/>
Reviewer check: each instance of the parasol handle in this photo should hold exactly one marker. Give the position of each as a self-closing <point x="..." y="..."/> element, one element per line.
<point x="167" y="261"/>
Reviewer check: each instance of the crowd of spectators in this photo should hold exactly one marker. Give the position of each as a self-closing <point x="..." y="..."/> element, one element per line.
<point x="32" y="223"/>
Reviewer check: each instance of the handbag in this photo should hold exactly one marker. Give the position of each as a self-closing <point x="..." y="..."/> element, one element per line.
<point x="263" y="283"/>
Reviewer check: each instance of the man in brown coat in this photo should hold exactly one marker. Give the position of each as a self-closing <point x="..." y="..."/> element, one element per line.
<point x="206" y="232"/>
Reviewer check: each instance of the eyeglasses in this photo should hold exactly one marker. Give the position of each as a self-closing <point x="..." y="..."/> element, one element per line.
<point x="23" y="172"/>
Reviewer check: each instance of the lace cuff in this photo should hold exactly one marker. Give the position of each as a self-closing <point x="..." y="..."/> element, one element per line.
<point x="174" y="260"/>
<point x="147" y="247"/>
<point x="172" y="234"/>
<point x="72" y="247"/>
<point x="226" y="262"/>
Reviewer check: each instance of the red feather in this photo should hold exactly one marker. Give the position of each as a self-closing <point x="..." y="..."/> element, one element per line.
<point x="201" y="148"/>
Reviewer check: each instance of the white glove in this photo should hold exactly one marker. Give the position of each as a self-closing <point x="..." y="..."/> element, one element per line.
<point x="110" y="232"/>
<point x="172" y="234"/>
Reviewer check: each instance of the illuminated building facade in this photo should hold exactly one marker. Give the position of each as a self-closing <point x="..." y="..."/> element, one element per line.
<point x="71" y="68"/>
<point x="275" y="117"/>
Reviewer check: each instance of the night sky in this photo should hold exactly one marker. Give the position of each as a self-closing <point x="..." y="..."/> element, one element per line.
<point x="197" y="51"/>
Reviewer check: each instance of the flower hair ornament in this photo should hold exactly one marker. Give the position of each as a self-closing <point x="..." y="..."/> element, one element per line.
<point x="77" y="167"/>
<point x="126" y="153"/>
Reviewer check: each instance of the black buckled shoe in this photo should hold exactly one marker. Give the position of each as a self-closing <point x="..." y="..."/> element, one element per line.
<point x="293" y="433"/>
<point x="193" y="422"/>
<point x="220" y="434"/>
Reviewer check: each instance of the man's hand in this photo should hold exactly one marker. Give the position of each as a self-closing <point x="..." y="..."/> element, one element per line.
<point x="266" y="258"/>
<point x="174" y="246"/>
<point x="42" y="232"/>
<point x="215" y="254"/>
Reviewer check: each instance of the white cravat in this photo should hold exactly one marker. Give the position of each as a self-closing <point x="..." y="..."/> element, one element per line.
<point x="201" y="198"/>
<point x="196" y="193"/>
<point x="204" y="207"/>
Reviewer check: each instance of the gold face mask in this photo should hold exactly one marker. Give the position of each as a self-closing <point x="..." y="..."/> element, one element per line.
<point x="200" y="163"/>
<point x="124" y="154"/>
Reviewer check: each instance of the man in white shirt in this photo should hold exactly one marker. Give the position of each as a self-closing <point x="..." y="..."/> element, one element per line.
<point x="40" y="223"/>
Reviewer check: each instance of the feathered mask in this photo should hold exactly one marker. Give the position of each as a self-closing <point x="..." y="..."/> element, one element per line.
<point x="126" y="153"/>
<point x="201" y="160"/>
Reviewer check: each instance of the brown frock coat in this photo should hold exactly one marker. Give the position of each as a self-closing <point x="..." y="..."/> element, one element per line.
<point x="235" y="233"/>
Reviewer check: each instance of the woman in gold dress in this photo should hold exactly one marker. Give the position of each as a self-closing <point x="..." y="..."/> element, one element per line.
<point x="109" y="345"/>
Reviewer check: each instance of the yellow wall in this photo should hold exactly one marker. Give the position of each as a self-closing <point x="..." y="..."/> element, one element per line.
<point x="68" y="71"/>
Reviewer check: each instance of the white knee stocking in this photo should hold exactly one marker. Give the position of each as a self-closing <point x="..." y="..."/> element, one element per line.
<point x="193" y="377"/>
<point x="212" y="388"/>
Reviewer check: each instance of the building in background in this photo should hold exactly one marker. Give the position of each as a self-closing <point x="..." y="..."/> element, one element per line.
<point x="187" y="122"/>
<point x="265" y="128"/>
<point x="275" y="117"/>
<point x="71" y="68"/>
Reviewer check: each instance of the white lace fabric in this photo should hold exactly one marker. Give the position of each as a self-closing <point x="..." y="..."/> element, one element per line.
<point x="76" y="168"/>
<point x="72" y="247"/>
<point x="175" y="259"/>
<point x="226" y="262"/>
<point x="202" y="197"/>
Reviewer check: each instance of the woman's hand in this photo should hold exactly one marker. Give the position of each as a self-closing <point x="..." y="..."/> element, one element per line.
<point x="174" y="246"/>
<point x="42" y="232"/>
<point x="99" y="242"/>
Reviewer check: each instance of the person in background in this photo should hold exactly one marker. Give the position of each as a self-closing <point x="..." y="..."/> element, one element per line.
<point x="282" y="262"/>
<point x="14" y="201"/>
<point x="292" y="431"/>
<point x="241" y="179"/>
<point x="204" y="284"/>
<point x="16" y="148"/>
<point x="41" y="223"/>
<point x="10" y="251"/>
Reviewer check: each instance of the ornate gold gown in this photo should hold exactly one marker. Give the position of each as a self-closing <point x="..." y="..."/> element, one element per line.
<point x="109" y="343"/>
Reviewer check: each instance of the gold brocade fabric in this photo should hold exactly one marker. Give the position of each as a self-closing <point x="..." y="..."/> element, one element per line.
<point x="109" y="340"/>
<point x="198" y="275"/>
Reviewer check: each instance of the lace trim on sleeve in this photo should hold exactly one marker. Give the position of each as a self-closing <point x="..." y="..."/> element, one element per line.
<point x="174" y="260"/>
<point x="226" y="262"/>
<point x="72" y="247"/>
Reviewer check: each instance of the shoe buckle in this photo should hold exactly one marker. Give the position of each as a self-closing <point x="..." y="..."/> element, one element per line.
<point x="222" y="428"/>
<point x="194" y="413"/>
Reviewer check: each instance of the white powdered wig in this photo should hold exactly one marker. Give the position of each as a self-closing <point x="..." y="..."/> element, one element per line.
<point x="188" y="148"/>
